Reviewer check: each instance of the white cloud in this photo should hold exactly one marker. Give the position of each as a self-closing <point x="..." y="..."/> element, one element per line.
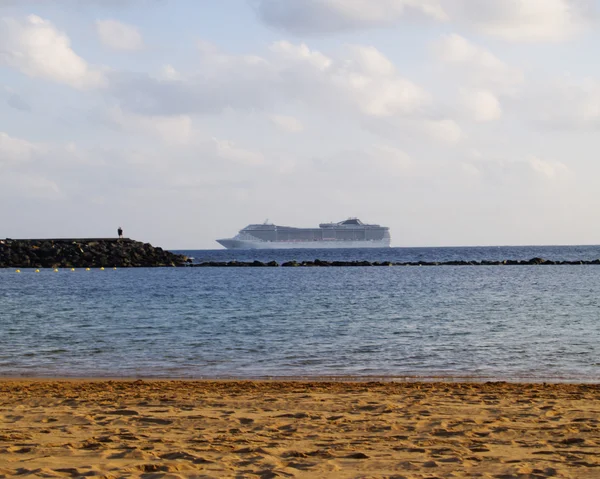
<point x="445" y="130"/>
<point x="381" y="90"/>
<point x="227" y="150"/>
<point x="481" y="77"/>
<point x="390" y="158"/>
<point x="301" y="53"/>
<point x="375" y="164"/>
<point x="119" y="36"/>
<point x="34" y="170"/>
<point x="170" y="73"/>
<point x="497" y="169"/>
<point x="575" y="104"/>
<point x="76" y="3"/>
<point x="36" y="48"/>
<point x="364" y="78"/>
<point x="363" y="81"/>
<point x="222" y="81"/>
<point x="326" y="16"/>
<point x="287" y="123"/>
<point x="514" y="20"/>
<point x="15" y="150"/>
<point x="421" y="131"/>
<point x="527" y="20"/>
<point x="479" y="65"/>
<point x="482" y="105"/>
<point x="549" y="169"/>
<point x="175" y="129"/>
<point x="29" y="185"/>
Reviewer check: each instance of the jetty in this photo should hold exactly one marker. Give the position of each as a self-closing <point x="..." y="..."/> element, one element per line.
<point x="125" y="252"/>
<point x="321" y="263"/>
<point x="84" y="253"/>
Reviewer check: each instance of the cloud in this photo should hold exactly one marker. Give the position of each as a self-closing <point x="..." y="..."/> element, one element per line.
<point x="370" y="167"/>
<point x="327" y="16"/>
<point x="300" y="53"/>
<point x="498" y="169"/>
<point x="419" y="131"/>
<point x="78" y="3"/>
<point x="170" y="129"/>
<point x="36" y="48"/>
<point x="288" y="124"/>
<point x="34" y="170"/>
<point x="513" y="20"/>
<point x="15" y="150"/>
<point x="482" y="79"/>
<point x="28" y="185"/>
<point x="390" y="158"/>
<point x="549" y="169"/>
<point x="575" y="104"/>
<point x="16" y="101"/>
<point x="527" y="20"/>
<point x="227" y="150"/>
<point x="481" y="105"/>
<point x="359" y="82"/>
<point x="119" y="36"/>
<point x="477" y="64"/>
<point x="169" y="73"/>
<point x="445" y="130"/>
<point x="66" y="171"/>
<point x="222" y="81"/>
<point x="363" y="81"/>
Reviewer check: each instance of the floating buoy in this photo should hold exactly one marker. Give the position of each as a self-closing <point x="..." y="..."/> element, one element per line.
<point x="18" y="271"/>
<point x="102" y="268"/>
<point x="72" y="269"/>
<point x="37" y="270"/>
<point x="56" y="270"/>
<point x="87" y="269"/>
<point x="115" y="268"/>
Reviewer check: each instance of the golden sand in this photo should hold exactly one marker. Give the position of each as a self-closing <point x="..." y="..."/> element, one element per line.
<point x="239" y="429"/>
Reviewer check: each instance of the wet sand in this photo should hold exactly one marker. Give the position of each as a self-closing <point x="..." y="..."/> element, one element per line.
<point x="247" y="429"/>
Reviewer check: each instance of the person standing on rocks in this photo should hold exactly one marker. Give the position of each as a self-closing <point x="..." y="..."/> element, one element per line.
<point x="120" y="232"/>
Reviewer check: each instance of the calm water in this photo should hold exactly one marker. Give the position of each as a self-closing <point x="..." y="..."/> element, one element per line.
<point x="496" y="322"/>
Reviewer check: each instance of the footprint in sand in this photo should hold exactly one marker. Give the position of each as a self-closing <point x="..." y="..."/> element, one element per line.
<point x="124" y="412"/>
<point x="155" y="420"/>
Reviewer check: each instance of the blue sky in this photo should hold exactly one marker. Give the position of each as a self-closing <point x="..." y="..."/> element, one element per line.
<point x="454" y="122"/>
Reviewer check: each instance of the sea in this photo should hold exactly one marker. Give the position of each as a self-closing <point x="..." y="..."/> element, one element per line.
<point x="451" y="323"/>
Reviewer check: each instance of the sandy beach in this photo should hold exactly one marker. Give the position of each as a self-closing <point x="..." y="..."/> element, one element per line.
<point x="238" y="429"/>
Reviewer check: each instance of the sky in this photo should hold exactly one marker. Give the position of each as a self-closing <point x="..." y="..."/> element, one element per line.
<point x="453" y="122"/>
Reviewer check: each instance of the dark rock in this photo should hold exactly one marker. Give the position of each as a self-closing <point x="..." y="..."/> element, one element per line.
<point x="319" y="262"/>
<point x="80" y="253"/>
<point x="290" y="264"/>
<point x="536" y="261"/>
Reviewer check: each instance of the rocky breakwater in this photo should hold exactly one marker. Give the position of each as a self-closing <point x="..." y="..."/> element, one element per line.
<point x="321" y="263"/>
<point x="84" y="253"/>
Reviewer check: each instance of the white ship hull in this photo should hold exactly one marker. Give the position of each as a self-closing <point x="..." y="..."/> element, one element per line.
<point x="247" y="244"/>
<point x="350" y="233"/>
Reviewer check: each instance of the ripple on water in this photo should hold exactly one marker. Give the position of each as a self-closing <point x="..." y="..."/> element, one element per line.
<point x="498" y="322"/>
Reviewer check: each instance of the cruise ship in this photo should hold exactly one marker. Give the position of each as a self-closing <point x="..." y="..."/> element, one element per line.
<point x="351" y="233"/>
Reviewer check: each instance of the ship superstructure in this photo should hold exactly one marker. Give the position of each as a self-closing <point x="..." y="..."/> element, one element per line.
<point x="351" y="233"/>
